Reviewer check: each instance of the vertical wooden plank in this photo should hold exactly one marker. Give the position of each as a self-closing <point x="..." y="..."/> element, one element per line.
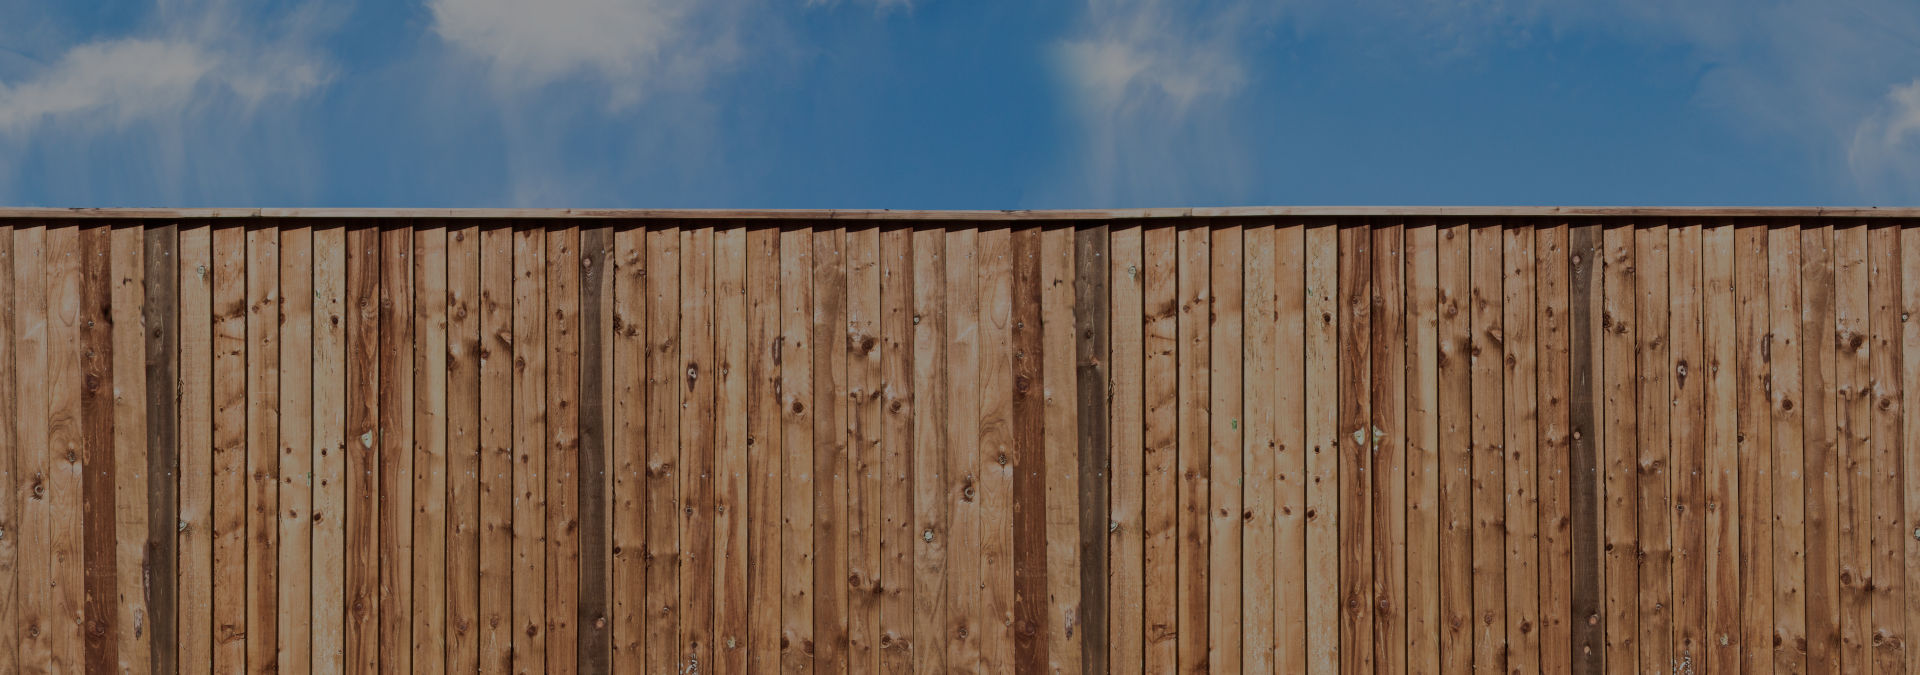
<point x="529" y="451"/>
<point x="160" y="318"/>
<point x="995" y="271"/>
<point x="295" y="512"/>
<point x="595" y="627"/>
<point x="230" y="409"/>
<point x="1029" y="459"/>
<point x="1387" y="382"/>
<point x="1455" y="414"/>
<point x="1260" y="450"/>
<point x="1294" y="515"/>
<point x="1553" y="331"/>
<point x="1887" y="396"/>
<point x="1789" y="483"/>
<point x="1584" y="287"/>
<point x="930" y="470"/>
<point x="562" y="324"/>
<point x="962" y="624"/>
<point x="195" y="319"/>
<point x="99" y="470"/>
<point x="696" y="385"/>
<point x="1354" y="450"/>
<point x="1654" y="400"/>
<point x="662" y="551"/>
<point x="628" y="452"/>
<point x="1619" y="363"/>
<point x="1226" y="333"/>
<point x="1126" y="590"/>
<point x="1159" y="519"/>
<point x="464" y="476"/>
<point x="1195" y="313"/>
<point x="866" y="458"/>
<point x="10" y="523"/>
<point x="497" y="354"/>
<point x="1065" y="618"/>
<point x="130" y="451"/>
<point x="795" y="359"/>
<point x="897" y="535"/>
<point x="330" y="312"/>
<point x="362" y="642"/>
<point x="831" y="477"/>
<point x="1853" y="508"/>
<point x="262" y="432"/>
<point x="34" y="461"/>
<point x="1687" y="432"/>
<point x="1092" y="340"/>
<point x="1909" y="455"/>
<point x="730" y="441"/>
<point x="1724" y="506"/>
<point x="1486" y="358"/>
<point x="68" y="441"/>
<point x="1323" y="458"/>
<point x="1823" y="409"/>
<point x="1522" y="417"/>
<point x="1420" y="353"/>
<point x="1753" y="369"/>
<point x="396" y="440"/>
<point x="430" y="448"/>
<point x="763" y="449"/>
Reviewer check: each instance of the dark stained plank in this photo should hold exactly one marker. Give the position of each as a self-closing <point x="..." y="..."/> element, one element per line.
<point x="1091" y="306"/>
<point x="1584" y="526"/>
<point x="96" y="431"/>
<point x="160" y="317"/>
<point x="363" y="453"/>
<point x="1029" y="459"/>
<point x="596" y="350"/>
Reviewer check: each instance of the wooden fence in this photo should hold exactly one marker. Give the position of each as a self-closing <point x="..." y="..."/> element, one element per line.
<point x="1258" y="441"/>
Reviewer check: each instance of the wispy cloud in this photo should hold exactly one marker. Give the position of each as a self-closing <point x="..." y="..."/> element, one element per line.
<point x="189" y="67"/>
<point x="1147" y="80"/>
<point x="629" y="47"/>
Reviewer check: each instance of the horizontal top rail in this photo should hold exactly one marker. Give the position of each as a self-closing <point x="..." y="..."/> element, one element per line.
<point x="970" y="215"/>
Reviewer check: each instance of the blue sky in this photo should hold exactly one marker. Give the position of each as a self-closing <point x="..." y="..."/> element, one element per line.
<point x="958" y="104"/>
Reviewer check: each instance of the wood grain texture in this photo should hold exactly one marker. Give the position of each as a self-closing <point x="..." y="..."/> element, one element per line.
<point x="1421" y="347"/>
<point x="1585" y="284"/>
<point x="897" y="535"/>
<point x="764" y="460"/>
<point x="1064" y="615"/>
<point x="1648" y="269"/>
<point x="1521" y="415"/>
<point x="660" y="555"/>
<point x="1194" y="475"/>
<point x="697" y="438"/>
<point x="830" y="451"/>
<point x="1260" y="453"/>
<point x="464" y="449"/>
<point x="1823" y="415"/>
<point x="1354" y="450"/>
<point x="1031" y="638"/>
<point x="230" y="410"/>
<point x="995" y="272"/>
<point x="127" y="281"/>
<point x="1126" y="546"/>
<point x="99" y="468"/>
<point x="1753" y="372"/>
<point x="1789" y="455"/>
<point x="1093" y="343"/>
<point x="1619" y="440"/>
<point x="562" y="471"/>
<point x="195" y="317"/>
<point x="396" y="440"/>
<point x="932" y="475"/>
<point x="496" y="449"/>
<point x="529" y="450"/>
<point x="293" y="516"/>
<point x="730" y="496"/>
<point x="1887" y="354"/>
<point x="159" y="317"/>
<point x="960" y="625"/>
<point x="1323" y="455"/>
<point x="1160" y="513"/>
<point x="1688" y="375"/>
<point x="1291" y="451"/>
<point x="1387" y="408"/>
<point x="1487" y="356"/>
<point x="1455" y="418"/>
<point x="10" y="446"/>
<point x="1224" y="411"/>
<point x="1719" y="373"/>
<point x="429" y="453"/>
<point x="1554" y="432"/>
<point x="866" y="459"/>
<point x="330" y="311"/>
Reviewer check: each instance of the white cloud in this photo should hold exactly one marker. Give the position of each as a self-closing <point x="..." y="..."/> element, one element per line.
<point x="1146" y="80"/>
<point x="1886" y="146"/>
<point x="628" y="46"/>
<point x="118" y="82"/>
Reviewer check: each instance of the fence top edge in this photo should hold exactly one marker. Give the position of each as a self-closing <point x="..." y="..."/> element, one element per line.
<point x="883" y="215"/>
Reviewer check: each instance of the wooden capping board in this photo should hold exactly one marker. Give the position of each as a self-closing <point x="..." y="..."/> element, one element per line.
<point x="958" y="216"/>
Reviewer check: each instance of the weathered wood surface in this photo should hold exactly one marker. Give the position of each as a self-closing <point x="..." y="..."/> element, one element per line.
<point x="1282" y="440"/>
